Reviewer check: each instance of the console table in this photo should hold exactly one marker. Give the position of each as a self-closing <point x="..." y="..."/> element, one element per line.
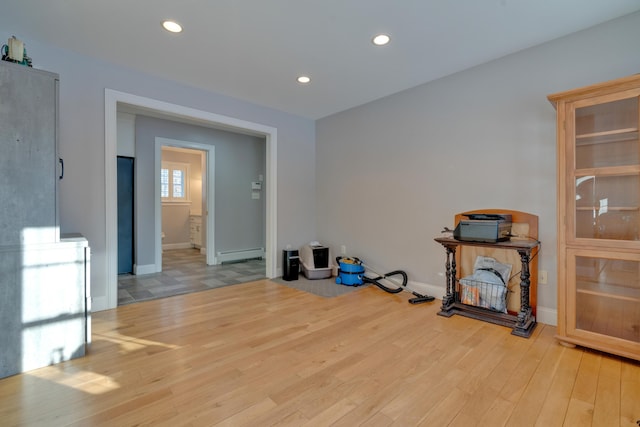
<point x="522" y="318"/>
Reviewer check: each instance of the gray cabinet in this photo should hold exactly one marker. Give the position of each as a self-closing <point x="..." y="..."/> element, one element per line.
<point x="29" y="157"/>
<point x="44" y="279"/>
<point x="44" y="309"/>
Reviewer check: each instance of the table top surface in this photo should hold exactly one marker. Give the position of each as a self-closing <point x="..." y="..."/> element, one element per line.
<point x="526" y="244"/>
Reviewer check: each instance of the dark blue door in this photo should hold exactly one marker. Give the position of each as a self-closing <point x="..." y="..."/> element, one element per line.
<point x="125" y="215"/>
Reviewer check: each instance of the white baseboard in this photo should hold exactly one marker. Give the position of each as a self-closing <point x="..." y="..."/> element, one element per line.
<point x="226" y="256"/>
<point x="185" y="245"/>
<point x="548" y="316"/>
<point x="145" y="269"/>
<point x="99" y="304"/>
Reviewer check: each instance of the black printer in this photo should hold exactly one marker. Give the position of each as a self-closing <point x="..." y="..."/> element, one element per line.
<point x="486" y="228"/>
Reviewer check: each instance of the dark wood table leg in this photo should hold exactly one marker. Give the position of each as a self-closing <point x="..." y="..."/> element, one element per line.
<point x="450" y="297"/>
<point x="526" y="322"/>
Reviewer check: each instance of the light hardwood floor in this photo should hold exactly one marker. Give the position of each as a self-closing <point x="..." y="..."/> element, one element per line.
<point x="261" y="354"/>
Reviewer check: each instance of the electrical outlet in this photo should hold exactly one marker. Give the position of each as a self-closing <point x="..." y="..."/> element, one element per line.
<point x="343" y="250"/>
<point x="542" y="277"/>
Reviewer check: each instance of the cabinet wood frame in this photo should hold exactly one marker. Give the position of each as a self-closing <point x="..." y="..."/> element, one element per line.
<point x="569" y="244"/>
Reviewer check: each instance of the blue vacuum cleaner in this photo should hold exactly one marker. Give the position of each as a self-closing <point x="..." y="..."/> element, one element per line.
<point x="351" y="272"/>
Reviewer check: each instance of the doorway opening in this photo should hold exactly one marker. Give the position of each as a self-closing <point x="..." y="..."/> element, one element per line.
<point x="185" y="176"/>
<point x="148" y="106"/>
<point x="201" y="208"/>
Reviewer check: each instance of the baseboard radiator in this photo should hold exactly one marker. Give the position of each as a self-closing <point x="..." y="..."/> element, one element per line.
<point x="239" y="255"/>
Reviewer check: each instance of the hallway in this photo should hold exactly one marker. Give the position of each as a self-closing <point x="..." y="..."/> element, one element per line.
<point x="185" y="271"/>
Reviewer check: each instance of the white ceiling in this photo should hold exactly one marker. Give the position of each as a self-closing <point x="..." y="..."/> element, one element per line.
<point x="254" y="49"/>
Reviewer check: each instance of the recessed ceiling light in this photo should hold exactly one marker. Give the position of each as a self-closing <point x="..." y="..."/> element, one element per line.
<point x="172" y="26"/>
<point x="304" y="79"/>
<point x="381" y="39"/>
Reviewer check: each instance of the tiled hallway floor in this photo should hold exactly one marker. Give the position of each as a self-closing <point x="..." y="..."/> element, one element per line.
<point x="185" y="271"/>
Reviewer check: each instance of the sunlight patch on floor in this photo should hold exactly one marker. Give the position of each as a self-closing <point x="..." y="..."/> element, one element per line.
<point x="85" y="381"/>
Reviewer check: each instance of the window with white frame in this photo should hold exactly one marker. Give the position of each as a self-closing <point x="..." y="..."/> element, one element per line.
<point x="174" y="182"/>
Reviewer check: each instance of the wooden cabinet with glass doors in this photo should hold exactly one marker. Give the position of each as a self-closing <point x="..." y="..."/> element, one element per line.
<point x="599" y="216"/>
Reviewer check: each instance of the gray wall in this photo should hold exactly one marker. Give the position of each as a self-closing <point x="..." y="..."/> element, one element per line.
<point x="239" y="159"/>
<point x="391" y="174"/>
<point x="82" y="145"/>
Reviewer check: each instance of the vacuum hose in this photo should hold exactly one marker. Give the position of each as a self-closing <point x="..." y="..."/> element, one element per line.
<point x="388" y="276"/>
<point x="376" y="281"/>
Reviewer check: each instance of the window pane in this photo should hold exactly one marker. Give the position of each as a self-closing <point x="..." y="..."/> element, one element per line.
<point x="177" y="191"/>
<point x="174" y="181"/>
<point x="177" y="177"/>
<point x="164" y="183"/>
<point x="178" y="184"/>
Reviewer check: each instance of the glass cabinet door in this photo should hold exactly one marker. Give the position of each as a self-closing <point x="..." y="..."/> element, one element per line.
<point x="606" y="294"/>
<point x="605" y="159"/>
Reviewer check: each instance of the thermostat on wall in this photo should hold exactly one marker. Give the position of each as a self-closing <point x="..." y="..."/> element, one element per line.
<point x="256" y="185"/>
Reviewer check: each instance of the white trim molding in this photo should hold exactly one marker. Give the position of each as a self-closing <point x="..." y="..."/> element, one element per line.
<point x="112" y="99"/>
<point x="144" y="269"/>
<point x="210" y="155"/>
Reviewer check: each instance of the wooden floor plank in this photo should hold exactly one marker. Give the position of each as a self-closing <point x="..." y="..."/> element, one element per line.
<point x="607" y="404"/>
<point x="554" y="408"/>
<point x="266" y="354"/>
<point x="630" y="394"/>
